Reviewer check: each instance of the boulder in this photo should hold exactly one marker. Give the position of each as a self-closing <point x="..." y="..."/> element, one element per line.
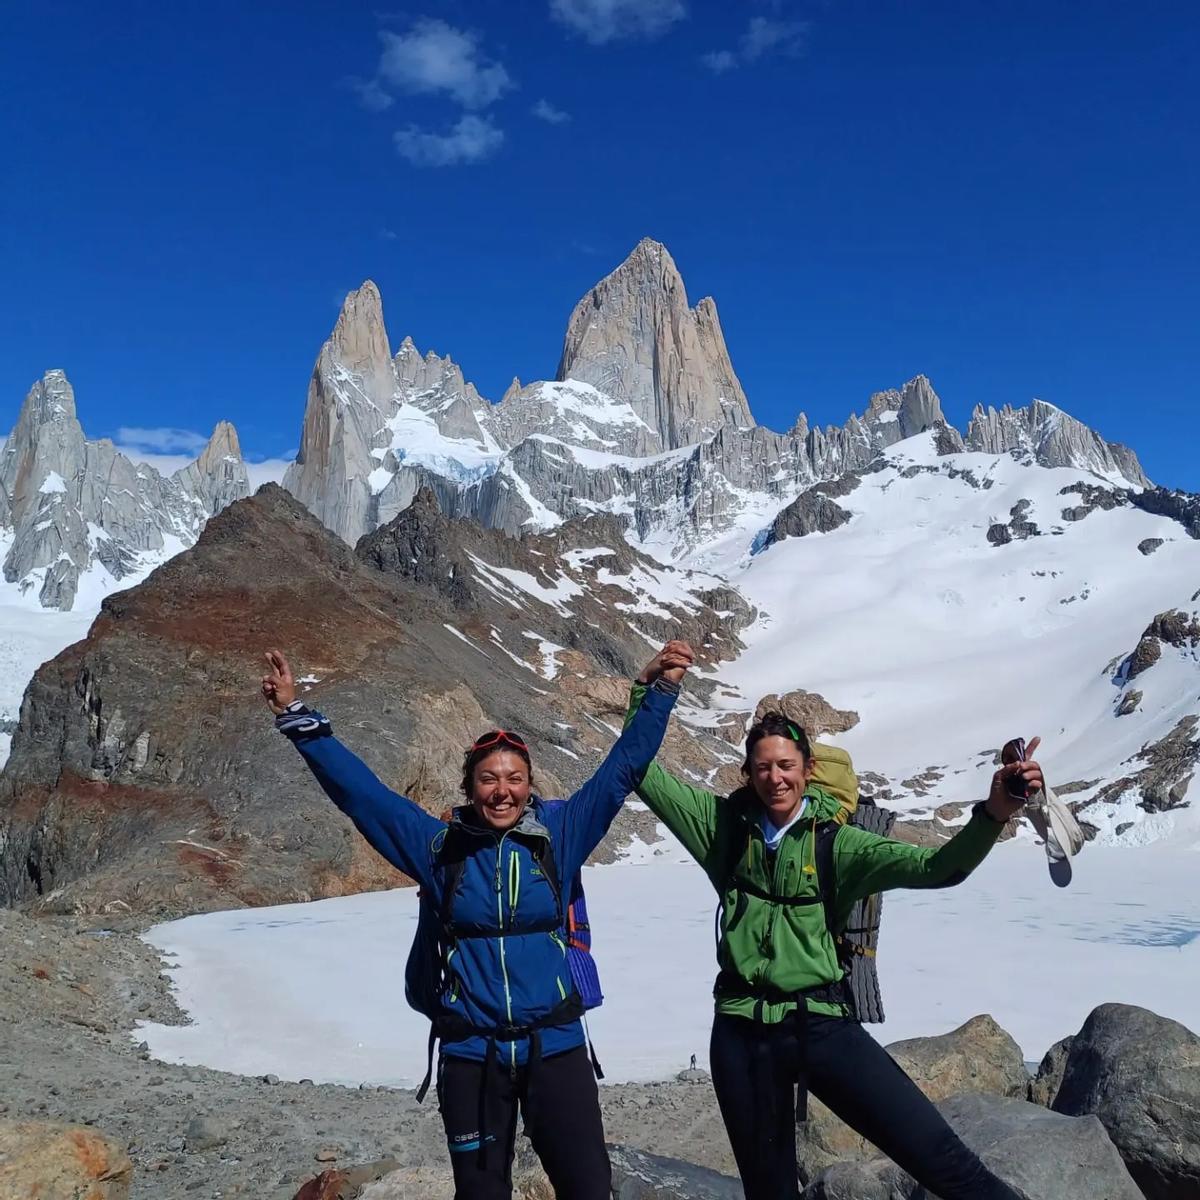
<point x="52" y="1161"/>
<point x="636" y="1176"/>
<point x="1043" y="1155"/>
<point x="1044" y="1086"/>
<point x="640" y="1176"/>
<point x="1140" y="1074"/>
<point x="976" y="1057"/>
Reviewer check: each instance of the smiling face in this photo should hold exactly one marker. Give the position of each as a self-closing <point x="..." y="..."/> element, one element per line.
<point x="500" y="789"/>
<point x="779" y="773"/>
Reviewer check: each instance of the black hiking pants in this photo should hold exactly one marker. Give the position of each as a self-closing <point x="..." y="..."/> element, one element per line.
<point x="754" y="1071"/>
<point x="561" y="1108"/>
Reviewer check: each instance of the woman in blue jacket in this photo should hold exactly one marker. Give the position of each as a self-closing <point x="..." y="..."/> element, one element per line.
<point x="503" y="1001"/>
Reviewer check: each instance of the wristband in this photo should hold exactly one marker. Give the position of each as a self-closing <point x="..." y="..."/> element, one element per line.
<point x="299" y="721"/>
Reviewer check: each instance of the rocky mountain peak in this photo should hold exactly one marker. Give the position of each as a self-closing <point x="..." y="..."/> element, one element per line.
<point x="1054" y="439"/>
<point x="218" y="477"/>
<point x="72" y="503"/>
<point x="359" y="343"/>
<point x="350" y="396"/>
<point x="434" y="383"/>
<point x="222" y="444"/>
<point x="51" y="399"/>
<point x="46" y="443"/>
<point x="634" y="338"/>
<point x="897" y="414"/>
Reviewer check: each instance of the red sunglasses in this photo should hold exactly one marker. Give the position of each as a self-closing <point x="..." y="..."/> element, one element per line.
<point x="498" y="737"/>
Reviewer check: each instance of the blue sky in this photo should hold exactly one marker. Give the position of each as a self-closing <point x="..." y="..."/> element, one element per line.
<point x="1000" y="196"/>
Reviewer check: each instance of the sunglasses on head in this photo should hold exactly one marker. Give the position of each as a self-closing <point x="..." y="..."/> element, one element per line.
<point x="498" y="737"/>
<point x="793" y="732"/>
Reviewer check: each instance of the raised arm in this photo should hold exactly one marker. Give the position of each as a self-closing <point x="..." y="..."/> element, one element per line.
<point x="867" y="863"/>
<point x="690" y="813"/>
<point x="591" y="810"/>
<point x="394" y="825"/>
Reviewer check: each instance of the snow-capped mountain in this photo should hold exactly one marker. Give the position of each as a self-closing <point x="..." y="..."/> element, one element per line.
<point x="953" y="601"/>
<point x="946" y="589"/>
<point x="70" y="507"/>
<point x="80" y="520"/>
<point x="646" y="420"/>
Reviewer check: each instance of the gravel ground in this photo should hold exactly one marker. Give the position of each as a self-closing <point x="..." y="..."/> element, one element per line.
<point x="70" y="996"/>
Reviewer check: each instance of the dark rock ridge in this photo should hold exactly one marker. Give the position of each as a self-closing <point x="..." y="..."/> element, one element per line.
<point x="813" y="511"/>
<point x="1162" y="783"/>
<point x="1172" y="628"/>
<point x="145" y="773"/>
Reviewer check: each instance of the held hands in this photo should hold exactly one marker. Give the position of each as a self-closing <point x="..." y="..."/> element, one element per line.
<point x="278" y="685"/>
<point x="1001" y="803"/>
<point x="671" y="662"/>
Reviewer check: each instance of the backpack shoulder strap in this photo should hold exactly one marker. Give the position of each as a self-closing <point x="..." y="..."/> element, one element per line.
<point x="543" y="855"/>
<point x="827" y="832"/>
<point x="451" y="858"/>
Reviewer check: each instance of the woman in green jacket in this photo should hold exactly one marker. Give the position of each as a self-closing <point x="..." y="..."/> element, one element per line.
<point x="782" y="1014"/>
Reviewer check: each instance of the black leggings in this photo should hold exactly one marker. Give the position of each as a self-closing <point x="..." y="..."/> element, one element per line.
<point x="561" y="1107"/>
<point x="754" y="1069"/>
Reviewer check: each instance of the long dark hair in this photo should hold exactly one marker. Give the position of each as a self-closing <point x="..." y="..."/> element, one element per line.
<point x="775" y="724"/>
<point x="488" y="744"/>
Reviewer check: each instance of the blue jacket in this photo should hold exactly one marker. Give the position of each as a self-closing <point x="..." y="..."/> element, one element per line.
<point x="510" y="979"/>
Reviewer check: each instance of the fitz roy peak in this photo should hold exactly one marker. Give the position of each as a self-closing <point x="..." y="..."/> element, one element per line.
<point x="634" y="338"/>
<point x="71" y="508"/>
<point x="646" y="420"/>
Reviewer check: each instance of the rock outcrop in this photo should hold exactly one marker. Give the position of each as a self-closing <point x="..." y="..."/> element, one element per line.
<point x="52" y="1161"/>
<point x="813" y="511"/>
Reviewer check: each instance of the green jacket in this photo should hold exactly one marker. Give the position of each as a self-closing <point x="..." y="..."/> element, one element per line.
<point x="772" y="948"/>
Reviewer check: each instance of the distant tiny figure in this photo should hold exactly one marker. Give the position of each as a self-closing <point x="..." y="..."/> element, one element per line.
<point x="693" y="1062"/>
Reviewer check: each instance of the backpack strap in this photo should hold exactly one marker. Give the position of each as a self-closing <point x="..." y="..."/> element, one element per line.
<point x="451" y="858"/>
<point x="827" y="832"/>
<point x="543" y="855"/>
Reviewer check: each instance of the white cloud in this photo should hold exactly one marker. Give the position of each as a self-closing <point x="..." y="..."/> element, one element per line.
<point x="719" y="61"/>
<point x="270" y="470"/>
<point x="601" y="21"/>
<point x="164" y="464"/>
<point x="388" y="235"/>
<point x="546" y="111"/>
<point x="164" y="440"/>
<point x="763" y="36"/>
<point x="371" y="95"/>
<point x="471" y="140"/>
<point x="434" y="57"/>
